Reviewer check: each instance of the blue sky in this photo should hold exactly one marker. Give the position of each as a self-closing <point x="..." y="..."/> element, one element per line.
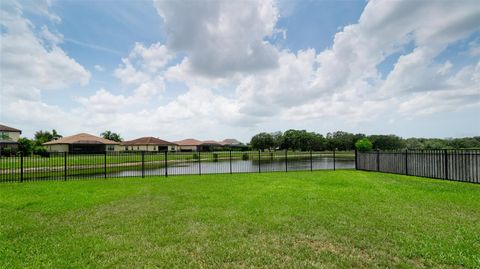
<point x="221" y="69"/>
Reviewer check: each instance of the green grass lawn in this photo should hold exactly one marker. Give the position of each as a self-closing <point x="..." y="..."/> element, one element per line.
<point x="327" y="219"/>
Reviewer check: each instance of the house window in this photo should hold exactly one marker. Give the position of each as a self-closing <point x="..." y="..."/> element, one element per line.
<point x="110" y="148"/>
<point x="154" y="147"/>
<point x="138" y="148"/>
<point x="126" y="148"/>
<point x="4" y="136"/>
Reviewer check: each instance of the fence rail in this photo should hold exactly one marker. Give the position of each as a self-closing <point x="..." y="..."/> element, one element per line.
<point x="457" y="165"/>
<point x="64" y="166"/>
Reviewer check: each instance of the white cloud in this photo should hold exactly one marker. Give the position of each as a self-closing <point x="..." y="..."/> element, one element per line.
<point x="27" y="64"/>
<point x="99" y="68"/>
<point x="222" y="37"/>
<point x="30" y="63"/>
<point x="474" y="48"/>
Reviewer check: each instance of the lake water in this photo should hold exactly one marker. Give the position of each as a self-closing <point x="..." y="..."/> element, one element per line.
<point x="241" y="166"/>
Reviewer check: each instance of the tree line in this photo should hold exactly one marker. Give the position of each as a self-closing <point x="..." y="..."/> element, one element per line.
<point x="304" y="141"/>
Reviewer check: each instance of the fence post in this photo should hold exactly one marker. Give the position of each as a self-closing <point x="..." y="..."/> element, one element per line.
<point x="199" y="163"/>
<point x="65" y="166"/>
<point x="166" y="163"/>
<point x="105" y="164"/>
<point x="286" y="160"/>
<point x="230" y="161"/>
<point x="378" y="160"/>
<point x="356" y="160"/>
<point x="259" y="171"/>
<point x="143" y="164"/>
<point x="311" y="161"/>
<point x="21" y="167"/>
<point x="406" y="162"/>
<point x="445" y="152"/>
<point x="334" y="164"/>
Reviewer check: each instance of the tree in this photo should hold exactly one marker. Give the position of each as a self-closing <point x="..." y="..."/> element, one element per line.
<point x="111" y="136"/>
<point x="317" y="142"/>
<point x="341" y="140"/>
<point x="25" y="146"/>
<point x="42" y="137"/>
<point x="56" y="135"/>
<point x="262" y="141"/>
<point x="277" y="139"/>
<point x="364" y="145"/>
<point x="387" y="142"/>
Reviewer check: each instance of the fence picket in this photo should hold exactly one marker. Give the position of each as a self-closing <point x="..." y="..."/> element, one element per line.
<point x="457" y="165"/>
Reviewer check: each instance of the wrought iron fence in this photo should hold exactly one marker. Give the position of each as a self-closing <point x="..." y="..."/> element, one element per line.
<point x="65" y="166"/>
<point x="457" y="165"/>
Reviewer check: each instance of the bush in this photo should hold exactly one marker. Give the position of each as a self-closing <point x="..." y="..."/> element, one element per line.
<point x="195" y="156"/>
<point x="6" y="151"/>
<point x="245" y="157"/>
<point x="215" y="157"/>
<point x="364" y="145"/>
<point x="41" y="151"/>
<point x="25" y="146"/>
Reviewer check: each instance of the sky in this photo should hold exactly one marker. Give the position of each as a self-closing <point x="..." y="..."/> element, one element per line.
<point x="231" y="69"/>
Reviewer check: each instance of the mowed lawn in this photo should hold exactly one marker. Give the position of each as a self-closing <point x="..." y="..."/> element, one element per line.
<point x="322" y="219"/>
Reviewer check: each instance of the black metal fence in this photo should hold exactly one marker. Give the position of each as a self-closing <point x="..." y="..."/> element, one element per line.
<point x="457" y="165"/>
<point x="64" y="166"/>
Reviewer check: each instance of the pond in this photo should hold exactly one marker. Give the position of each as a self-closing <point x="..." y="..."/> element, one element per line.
<point x="243" y="166"/>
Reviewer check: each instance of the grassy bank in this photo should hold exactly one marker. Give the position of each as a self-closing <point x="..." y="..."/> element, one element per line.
<point x="298" y="219"/>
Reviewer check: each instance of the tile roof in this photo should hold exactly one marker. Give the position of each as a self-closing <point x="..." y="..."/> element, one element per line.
<point x="8" y="129"/>
<point x="211" y="142"/>
<point x="82" y="138"/>
<point x="188" y="142"/>
<point x="230" y="141"/>
<point x="147" y="141"/>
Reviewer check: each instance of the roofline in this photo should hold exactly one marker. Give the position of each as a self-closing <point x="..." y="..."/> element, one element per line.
<point x="11" y="131"/>
<point x="126" y="143"/>
<point x="53" y="142"/>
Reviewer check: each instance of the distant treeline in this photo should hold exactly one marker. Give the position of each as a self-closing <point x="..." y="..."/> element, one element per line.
<point x="303" y="140"/>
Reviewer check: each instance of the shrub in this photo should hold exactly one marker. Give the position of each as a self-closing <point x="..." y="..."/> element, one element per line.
<point x="195" y="156"/>
<point x="25" y="146"/>
<point x="245" y="157"/>
<point x="364" y="145"/>
<point x="7" y="151"/>
<point x="41" y="151"/>
<point x="215" y="157"/>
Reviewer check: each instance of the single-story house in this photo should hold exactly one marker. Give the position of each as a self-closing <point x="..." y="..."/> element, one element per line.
<point x="191" y="144"/>
<point x="149" y="144"/>
<point x="8" y="138"/>
<point x="82" y="143"/>
<point x="231" y="142"/>
<point x="209" y="145"/>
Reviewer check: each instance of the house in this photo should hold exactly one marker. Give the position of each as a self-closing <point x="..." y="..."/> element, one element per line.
<point x="189" y="144"/>
<point x="82" y="143"/>
<point x="230" y="142"/>
<point x="8" y="138"/>
<point x="149" y="144"/>
<point x="209" y="145"/>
